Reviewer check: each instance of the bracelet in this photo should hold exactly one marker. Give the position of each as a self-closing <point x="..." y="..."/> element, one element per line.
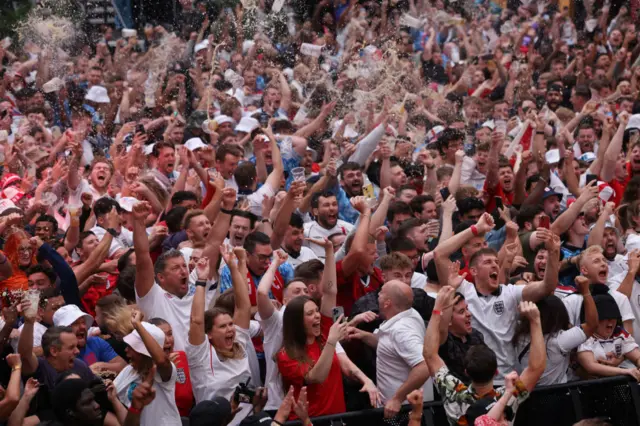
<point x="133" y="410"/>
<point x="226" y="211"/>
<point x="331" y="344"/>
<point x="539" y="132"/>
<point x="201" y="283"/>
<point x="436" y="312"/>
<point x="16" y="368"/>
<point x="113" y="232"/>
<point x="474" y="230"/>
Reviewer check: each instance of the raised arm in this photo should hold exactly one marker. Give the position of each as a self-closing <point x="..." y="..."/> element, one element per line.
<point x="242" y="313"/>
<point x="25" y="343"/>
<point x="220" y="228"/>
<point x="265" y="307"/>
<point x="633" y="262"/>
<point x="538" y="355"/>
<point x="538" y="290"/>
<point x="329" y="280"/>
<point x="320" y="371"/>
<point x="566" y="219"/>
<point x="100" y="253"/>
<point x="432" y="342"/>
<point x="492" y="180"/>
<point x="596" y="234"/>
<point x="68" y="282"/>
<point x="360" y="239"/>
<point x="159" y="357"/>
<point x="454" y="182"/>
<point x="144" y="265"/>
<point x="281" y="223"/>
<point x="613" y="150"/>
<point x="196" y="321"/>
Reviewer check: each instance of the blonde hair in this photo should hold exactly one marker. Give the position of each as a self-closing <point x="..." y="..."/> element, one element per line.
<point x="118" y="319"/>
<point x="590" y="251"/>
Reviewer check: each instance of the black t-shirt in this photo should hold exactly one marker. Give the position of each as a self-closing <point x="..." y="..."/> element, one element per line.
<point x="434" y="72"/>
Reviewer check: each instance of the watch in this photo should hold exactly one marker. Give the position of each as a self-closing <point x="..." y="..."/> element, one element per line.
<point x="112" y="232"/>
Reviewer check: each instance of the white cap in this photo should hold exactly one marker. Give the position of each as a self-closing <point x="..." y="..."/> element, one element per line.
<point x="68" y="314"/>
<point x="53" y="85"/>
<point x="98" y="94"/>
<point x="490" y="124"/>
<point x="552" y="156"/>
<point x="222" y="119"/>
<point x="634" y="122"/>
<point x="194" y="143"/>
<point x="349" y="132"/>
<point x="127" y="203"/>
<point x="202" y="45"/>
<point x="314" y="153"/>
<point x="126" y="33"/>
<point x="134" y="340"/>
<point x="247" y="125"/>
<point x="5" y="205"/>
<point x="148" y="149"/>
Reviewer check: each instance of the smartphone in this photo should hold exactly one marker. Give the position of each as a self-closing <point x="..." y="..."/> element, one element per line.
<point x="337" y="312"/>
<point x="499" y="204"/>
<point x="140" y="128"/>
<point x="590" y="178"/>
<point x="545" y="222"/>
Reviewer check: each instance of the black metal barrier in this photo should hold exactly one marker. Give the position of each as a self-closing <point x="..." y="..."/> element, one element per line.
<point x="616" y="398"/>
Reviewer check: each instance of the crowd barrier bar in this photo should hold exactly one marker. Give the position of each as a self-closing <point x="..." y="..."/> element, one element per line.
<point x="574" y="398"/>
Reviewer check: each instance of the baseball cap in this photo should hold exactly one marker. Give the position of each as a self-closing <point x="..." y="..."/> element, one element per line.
<point x="222" y="119"/>
<point x="549" y="192"/>
<point x="194" y="143"/>
<point x="247" y="125"/>
<point x="134" y="340"/>
<point x="210" y="413"/>
<point x="68" y="314"/>
<point x="634" y="122"/>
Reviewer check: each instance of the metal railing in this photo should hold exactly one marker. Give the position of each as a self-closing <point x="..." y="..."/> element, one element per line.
<point x="616" y="398"/>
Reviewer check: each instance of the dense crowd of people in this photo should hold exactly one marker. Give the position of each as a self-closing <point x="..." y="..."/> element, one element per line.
<point x="275" y="211"/>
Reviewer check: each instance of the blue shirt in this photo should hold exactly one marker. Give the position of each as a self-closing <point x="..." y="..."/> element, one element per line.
<point x="286" y="270"/>
<point x="96" y="350"/>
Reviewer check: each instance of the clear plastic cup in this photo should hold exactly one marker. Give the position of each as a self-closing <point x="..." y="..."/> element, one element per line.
<point x="33" y="296"/>
<point x="48" y="198"/>
<point x="298" y="174"/>
<point x="213" y="174"/>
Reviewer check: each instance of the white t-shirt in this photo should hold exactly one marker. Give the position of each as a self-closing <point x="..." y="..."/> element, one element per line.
<point x="573" y="304"/>
<point x="159" y="303"/>
<point x="305" y="254"/>
<point x="38" y="331"/>
<point x="210" y="376"/>
<point x="634" y="301"/>
<point x="495" y="316"/>
<point x="162" y="411"/>
<point x="256" y="198"/>
<point x="231" y="183"/>
<point x="123" y="241"/>
<point x="619" y="344"/>
<point x="418" y="280"/>
<point x="315" y="231"/>
<point x="399" y="350"/>
<point x="559" y="346"/>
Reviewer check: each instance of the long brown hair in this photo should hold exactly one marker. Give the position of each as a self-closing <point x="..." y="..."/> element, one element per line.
<point x="209" y="321"/>
<point x="294" y="336"/>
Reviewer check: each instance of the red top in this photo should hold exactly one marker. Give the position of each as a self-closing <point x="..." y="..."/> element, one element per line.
<point x="324" y="398"/>
<point x="184" y="391"/>
<point x="507" y="198"/>
<point x="619" y="185"/>
<point x="351" y="288"/>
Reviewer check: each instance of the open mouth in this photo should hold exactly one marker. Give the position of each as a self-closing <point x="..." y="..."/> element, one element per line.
<point x="493" y="276"/>
<point x="205" y="234"/>
<point x="602" y="275"/>
<point x="237" y="240"/>
<point x="170" y="166"/>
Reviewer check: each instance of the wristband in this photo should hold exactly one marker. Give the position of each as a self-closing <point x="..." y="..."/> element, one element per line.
<point x="539" y="132"/>
<point x="16" y="368"/>
<point x="474" y="230"/>
<point x="134" y="410"/>
<point x="201" y="283"/>
<point x="225" y="211"/>
<point x="112" y="232"/>
<point x="436" y="312"/>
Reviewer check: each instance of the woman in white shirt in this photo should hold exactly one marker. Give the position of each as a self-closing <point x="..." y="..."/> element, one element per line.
<point x="611" y="351"/>
<point x="561" y="338"/>
<point x="145" y="351"/>
<point x="217" y="344"/>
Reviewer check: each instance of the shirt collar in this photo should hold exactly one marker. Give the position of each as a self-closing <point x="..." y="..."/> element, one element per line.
<point x="496" y="293"/>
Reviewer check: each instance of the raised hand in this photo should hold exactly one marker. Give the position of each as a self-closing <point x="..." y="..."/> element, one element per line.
<point x="530" y="311"/>
<point x="338" y="331"/>
<point x="360" y="204"/>
<point x="141" y="211"/>
<point x="203" y="268"/>
<point x="485" y="223"/>
<point x="583" y="284"/>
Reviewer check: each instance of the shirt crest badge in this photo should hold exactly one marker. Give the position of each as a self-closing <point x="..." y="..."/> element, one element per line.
<point x="498" y="307"/>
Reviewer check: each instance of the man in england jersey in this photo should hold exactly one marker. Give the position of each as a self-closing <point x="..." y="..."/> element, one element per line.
<point x="494" y="306"/>
<point x="324" y="207"/>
